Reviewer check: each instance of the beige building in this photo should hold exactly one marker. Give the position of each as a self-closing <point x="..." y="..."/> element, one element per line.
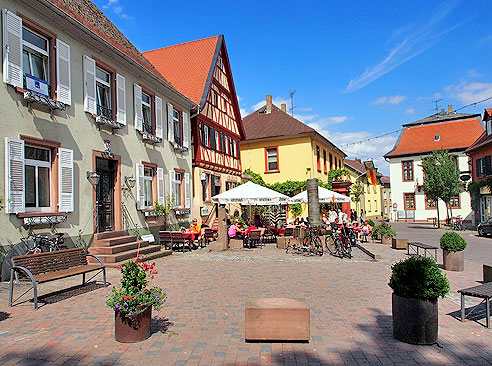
<point x="78" y="99"/>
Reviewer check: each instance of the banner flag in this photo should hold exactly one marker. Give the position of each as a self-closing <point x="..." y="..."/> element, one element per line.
<point x="371" y="176"/>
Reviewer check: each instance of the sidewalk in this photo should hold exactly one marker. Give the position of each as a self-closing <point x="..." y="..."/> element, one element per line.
<point x="203" y="323"/>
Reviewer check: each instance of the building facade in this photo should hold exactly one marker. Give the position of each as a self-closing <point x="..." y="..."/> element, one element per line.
<point x="201" y="70"/>
<point x="386" y="198"/>
<point x="480" y="161"/>
<point x="371" y="199"/>
<point x="452" y="131"/>
<point x="80" y="102"/>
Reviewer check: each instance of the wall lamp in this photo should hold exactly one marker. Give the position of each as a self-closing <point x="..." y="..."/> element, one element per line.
<point x="93" y="178"/>
<point x="129" y="182"/>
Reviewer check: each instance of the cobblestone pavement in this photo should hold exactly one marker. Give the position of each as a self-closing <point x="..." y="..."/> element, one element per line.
<point x="203" y="323"/>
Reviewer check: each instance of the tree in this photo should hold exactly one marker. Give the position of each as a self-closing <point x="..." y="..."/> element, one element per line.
<point x="441" y="178"/>
<point x="356" y="190"/>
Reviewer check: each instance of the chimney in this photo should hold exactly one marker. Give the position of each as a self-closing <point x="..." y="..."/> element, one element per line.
<point x="284" y="107"/>
<point x="442" y="110"/>
<point x="450" y="108"/>
<point x="269" y="104"/>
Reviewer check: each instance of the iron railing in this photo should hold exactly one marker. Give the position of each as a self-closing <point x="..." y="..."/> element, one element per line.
<point x="129" y="223"/>
<point x="105" y="112"/>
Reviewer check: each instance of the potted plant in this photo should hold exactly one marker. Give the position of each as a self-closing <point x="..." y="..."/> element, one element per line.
<point x="417" y="284"/>
<point x="453" y="251"/>
<point x="385" y="232"/>
<point x="133" y="301"/>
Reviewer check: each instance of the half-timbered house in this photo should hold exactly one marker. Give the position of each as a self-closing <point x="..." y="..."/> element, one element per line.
<point x="201" y="71"/>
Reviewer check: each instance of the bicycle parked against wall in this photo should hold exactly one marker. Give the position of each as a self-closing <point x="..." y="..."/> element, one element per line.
<point x="43" y="243"/>
<point x="309" y="244"/>
<point x="339" y="241"/>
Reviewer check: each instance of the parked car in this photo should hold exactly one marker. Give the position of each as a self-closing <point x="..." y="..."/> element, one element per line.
<point x="485" y="228"/>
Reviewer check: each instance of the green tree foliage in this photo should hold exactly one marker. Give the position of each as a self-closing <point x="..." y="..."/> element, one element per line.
<point x="292" y="187"/>
<point x="441" y="176"/>
<point x="356" y="190"/>
<point x="296" y="209"/>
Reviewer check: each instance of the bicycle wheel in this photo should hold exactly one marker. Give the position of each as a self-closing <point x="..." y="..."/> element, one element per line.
<point x="318" y="246"/>
<point x="330" y="245"/>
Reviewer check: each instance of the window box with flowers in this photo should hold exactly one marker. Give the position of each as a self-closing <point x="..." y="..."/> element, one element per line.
<point x="133" y="301"/>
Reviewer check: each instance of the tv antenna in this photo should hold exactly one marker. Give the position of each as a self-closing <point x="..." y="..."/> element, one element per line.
<point x="437" y="106"/>
<point x="292" y="102"/>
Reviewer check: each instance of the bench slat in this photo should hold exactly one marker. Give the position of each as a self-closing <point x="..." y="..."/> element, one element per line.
<point x="422" y="245"/>
<point x="483" y="291"/>
<point x="45" y="277"/>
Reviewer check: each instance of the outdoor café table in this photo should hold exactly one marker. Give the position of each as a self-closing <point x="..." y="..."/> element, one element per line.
<point x="188" y="235"/>
<point x="279" y="232"/>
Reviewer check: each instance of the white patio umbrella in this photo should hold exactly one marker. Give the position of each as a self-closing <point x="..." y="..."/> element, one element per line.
<point x="325" y="196"/>
<point x="251" y="194"/>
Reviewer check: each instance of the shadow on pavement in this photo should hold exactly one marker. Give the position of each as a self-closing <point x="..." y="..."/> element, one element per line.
<point x="70" y="292"/>
<point x="161" y="325"/>
<point x="41" y="356"/>
<point x="4" y="315"/>
<point x="473" y="313"/>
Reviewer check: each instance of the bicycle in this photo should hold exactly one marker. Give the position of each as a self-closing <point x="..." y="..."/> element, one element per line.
<point x="340" y="244"/>
<point x="458" y="225"/>
<point x="43" y="243"/>
<point x="310" y="243"/>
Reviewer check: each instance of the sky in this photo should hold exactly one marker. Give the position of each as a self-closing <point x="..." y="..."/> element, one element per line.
<point x="360" y="69"/>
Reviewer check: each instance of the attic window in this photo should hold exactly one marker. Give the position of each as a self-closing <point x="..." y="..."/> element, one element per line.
<point x="437" y="137"/>
<point x="262" y="110"/>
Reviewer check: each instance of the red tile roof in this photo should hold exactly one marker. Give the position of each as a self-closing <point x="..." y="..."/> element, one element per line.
<point x="358" y="165"/>
<point x="259" y="125"/>
<point x="91" y="17"/>
<point x="186" y="65"/>
<point x="456" y="135"/>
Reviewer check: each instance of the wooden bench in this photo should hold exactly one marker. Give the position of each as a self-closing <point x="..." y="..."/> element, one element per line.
<point x="481" y="291"/>
<point x="50" y="266"/>
<point x="425" y="247"/>
<point x="276" y="319"/>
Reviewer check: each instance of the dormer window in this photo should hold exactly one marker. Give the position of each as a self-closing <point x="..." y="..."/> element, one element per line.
<point x="488" y="126"/>
<point x="437" y="137"/>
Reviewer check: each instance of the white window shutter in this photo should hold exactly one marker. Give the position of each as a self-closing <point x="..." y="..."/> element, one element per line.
<point x="14" y="176"/>
<point x="90" y="85"/>
<point x="120" y="99"/>
<point x="63" y="86"/>
<point x="172" y="178"/>
<point x="160" y="186"/>
<point x="140" y="187"/>
<point x="65" y="180"/>
<point x="186" y="134"/>
<point x="137" y="105"/>
<point x="187" y="190"/>
<point x="158" y="117"/>
<point x="170" y="124"/>
<point x="12" y="49"/>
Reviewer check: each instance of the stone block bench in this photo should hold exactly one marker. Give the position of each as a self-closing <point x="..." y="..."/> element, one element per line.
<point x="277" y="319"/>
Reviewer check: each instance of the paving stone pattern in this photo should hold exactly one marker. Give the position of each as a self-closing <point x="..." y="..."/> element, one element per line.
<point x="203" y="323"/>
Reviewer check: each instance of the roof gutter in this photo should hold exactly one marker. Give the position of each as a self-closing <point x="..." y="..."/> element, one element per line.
<point x="75" y="22"/>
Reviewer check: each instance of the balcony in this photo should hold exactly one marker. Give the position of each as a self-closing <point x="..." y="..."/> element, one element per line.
<point x="105" y="118"/>
<point x="148" y="134"/>
<point x="53" y="105"/>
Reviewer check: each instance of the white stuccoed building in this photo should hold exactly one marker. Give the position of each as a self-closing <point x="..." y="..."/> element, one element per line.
<point x="444" y="130"/>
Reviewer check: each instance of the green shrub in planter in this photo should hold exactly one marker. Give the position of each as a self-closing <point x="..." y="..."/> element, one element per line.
<point x="418" y="278"/>
<point x="452" y="242"/>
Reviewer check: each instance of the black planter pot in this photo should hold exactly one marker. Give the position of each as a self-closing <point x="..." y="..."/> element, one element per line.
<point x="415" y="321"/>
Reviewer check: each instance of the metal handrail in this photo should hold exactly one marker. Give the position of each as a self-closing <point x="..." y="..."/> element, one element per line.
<point x="128" y="221"/>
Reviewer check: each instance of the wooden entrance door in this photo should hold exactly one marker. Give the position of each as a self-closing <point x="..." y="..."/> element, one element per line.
<point x="105" y="194"/>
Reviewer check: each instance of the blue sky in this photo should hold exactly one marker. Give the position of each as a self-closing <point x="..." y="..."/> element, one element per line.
<point x="360" y="69"/>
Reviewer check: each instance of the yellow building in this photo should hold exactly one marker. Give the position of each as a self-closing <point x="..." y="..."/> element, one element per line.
<point x="370" y="199"/>
<point x="281" y="148"/>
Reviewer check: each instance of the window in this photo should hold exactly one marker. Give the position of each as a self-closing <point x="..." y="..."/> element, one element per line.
<point x="369" y="206"/>
<point x="324" y="161"/>
<point x="35" y="53"/>
<point x="454" y="202"/>
<point x="437" y="137"/>
<point x="230" y="185"/>
<point x="376" y="205"/>
<point x="148" y="194"/>
<point x="407" y="167"/>
<point x="409" y="201"/>
<point x="205" y="141"/>
<point x="147" y="113"/>
<point x="205" y="184"/>
<point x="103" y="93"/>
<point x="430" y="203"/>
<point x="216" y="185"/>
<point x="37" y="170"/>
<point x="318" y="160"/>
<point x="177" y="189"/>
<point x="215" y="98"/>
<point x="331" y="161"/>
<point x="220" y="63"/>
<point x="177" y="127"/>
<point x="488" y="126"/>
<point x="231" y="146"/>
<point x="271" y="159"/>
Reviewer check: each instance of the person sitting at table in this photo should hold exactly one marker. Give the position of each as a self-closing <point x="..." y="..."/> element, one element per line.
<point x="233" y="231"/>
<point x="251" y="228"/>
<point x="257" y="220"/>
<point x="365" y="230"/>
<point x="195" y="227"/>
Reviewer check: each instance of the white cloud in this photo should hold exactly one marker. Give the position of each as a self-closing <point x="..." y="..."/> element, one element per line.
<point x="407" y="42"/>
<point x="410" y="110"/>
<point x="394" y="100"/>
<point x="244" y="112"/>
<point x="470" y="92"/>
<point x="487" y="38"/>
<point x="474" y="74"/>
<point x="110" y="2"/>
<point x="117" y="9"/>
